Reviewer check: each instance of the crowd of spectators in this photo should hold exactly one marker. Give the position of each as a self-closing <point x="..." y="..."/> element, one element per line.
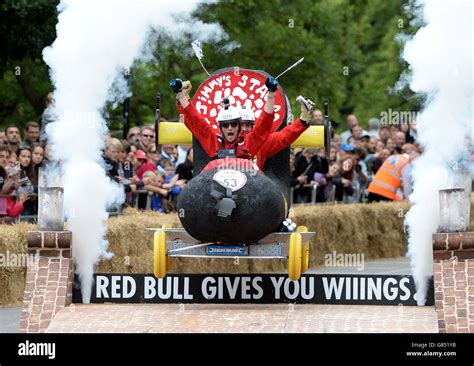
<point x="355" y="157"/>
<point x="153" y="176"/>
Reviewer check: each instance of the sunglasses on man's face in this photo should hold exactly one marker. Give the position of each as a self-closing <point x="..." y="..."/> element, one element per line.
<point x="148" y="136"/>
<point x="232" y="124"/>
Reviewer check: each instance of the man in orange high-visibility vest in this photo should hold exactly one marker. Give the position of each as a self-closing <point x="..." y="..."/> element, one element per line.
<point x="388" y="179"/>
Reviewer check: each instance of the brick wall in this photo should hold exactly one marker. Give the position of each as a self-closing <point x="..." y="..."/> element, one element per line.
<point x="49" y="279"/>
<point x="453" y="255"/>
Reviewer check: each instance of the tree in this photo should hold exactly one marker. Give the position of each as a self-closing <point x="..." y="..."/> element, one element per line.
<point x="26" y="27"/>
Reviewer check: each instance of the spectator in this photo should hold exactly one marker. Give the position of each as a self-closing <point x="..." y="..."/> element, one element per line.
<point x="399" y="140"/>
<point x="372" y="152"/>
<point x="49" y="115"/>
<point x="389" y="177"/>
<point x="113" y="147"/>
<point x="25" y="182"/>
<point x="411" y="134"/>
<point x="167" y="152"/>
<point x="379" y="160"/>
<point x="175" y="154"/>
<point x="154" y="157"/>
<point x="346" y="190"/>
<point x="24" y="157"/>
<point x="361" y="177"/>
<point x="172" y="182"/>
<point x="13" y="159"/>
<point x="142" y="165"/>
<point x="133" y="135"/>
<point x="147" y="137"/>
<point x="379" y="146"/>
<point x="32" y="133"/>
<point x="351" y="121"/>
<point x="374" y="128"/>
<point x="131" y="154"/>
<point x="363" y="141"/>
<point x="410" y="137"/>
<point x="385" y="133"/>
<point x="3" y="137"/>
<point x="156" y="191"/>
<point x="357" y="132"/>
<point x="371" y="145"/>
<point x="318" y="117"/>
<point x="314" y="162"/>
<point x="125" y="164"/>
<point x="37" y="153"/>
<point x="333" y="154"/>
<point x="185" y="170"/>
<point x="391" y="145"/>
<point x="327" y="181"/>
<point x="13" y="138"/>
<point x="4" y="155"/>
<point x="345" y="150"/>
<point x="337" y="140"/>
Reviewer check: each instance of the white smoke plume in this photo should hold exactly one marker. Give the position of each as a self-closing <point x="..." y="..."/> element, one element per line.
<point x="95" y="40"/>
<point x="441" y="62"/>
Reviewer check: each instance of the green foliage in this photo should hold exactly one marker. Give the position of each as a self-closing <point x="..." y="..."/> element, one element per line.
<point x="26" y="27"/>
<point x="351" y="56"/>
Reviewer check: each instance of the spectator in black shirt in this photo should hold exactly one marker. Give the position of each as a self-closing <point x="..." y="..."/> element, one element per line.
<point x="185" y="170"/>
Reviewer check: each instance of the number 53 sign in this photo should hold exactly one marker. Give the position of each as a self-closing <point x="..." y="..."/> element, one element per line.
<point x="232" y="179"/>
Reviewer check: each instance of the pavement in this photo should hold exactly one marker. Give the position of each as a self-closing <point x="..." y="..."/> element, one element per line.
<point x="275" y="318"/>
<point x="239" y="318"/>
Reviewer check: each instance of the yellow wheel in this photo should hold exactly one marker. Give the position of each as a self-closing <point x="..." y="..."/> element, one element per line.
<point x="169" y="260"/>
<point x="294" y="257"/>
<point x="159" y="268"/>
<point x="305" y="254"/>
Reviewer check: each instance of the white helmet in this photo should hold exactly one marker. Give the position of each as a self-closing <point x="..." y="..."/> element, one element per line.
<point x="228" y="114"/>
<point x="247" y="115"/>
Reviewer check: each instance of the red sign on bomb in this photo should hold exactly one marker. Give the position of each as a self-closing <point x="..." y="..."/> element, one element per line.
<point x="243" y="88"/>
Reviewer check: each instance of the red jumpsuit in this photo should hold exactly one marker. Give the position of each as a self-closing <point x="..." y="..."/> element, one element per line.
<point x="212" y="140"/>
<point x="279" y="140"/>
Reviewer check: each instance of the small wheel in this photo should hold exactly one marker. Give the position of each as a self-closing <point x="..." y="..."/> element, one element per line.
<point x="169" y="260"/>
<point x="159" y="251"/>
<point x="294" y="257"/>
<point x="305" y="254"/>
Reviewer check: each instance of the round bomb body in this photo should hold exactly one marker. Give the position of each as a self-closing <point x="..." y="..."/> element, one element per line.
<point x="231" y="206"/>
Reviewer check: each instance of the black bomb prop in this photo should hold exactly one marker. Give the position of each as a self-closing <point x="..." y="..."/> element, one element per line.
<point x="233" y="204"/>
<point x="211" y="212"/>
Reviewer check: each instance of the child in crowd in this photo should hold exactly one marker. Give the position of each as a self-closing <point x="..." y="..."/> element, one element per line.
<point x="172" y="181"/>
<point x="154" y="186"/>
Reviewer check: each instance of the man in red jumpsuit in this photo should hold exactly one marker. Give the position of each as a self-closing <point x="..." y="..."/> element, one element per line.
<point x="278" y="140"/>
<point x="230" y="141"/>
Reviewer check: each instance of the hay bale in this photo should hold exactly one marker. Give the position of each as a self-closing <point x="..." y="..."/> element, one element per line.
<point x="376" y="230"/>
<point x="13" y="245"/>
